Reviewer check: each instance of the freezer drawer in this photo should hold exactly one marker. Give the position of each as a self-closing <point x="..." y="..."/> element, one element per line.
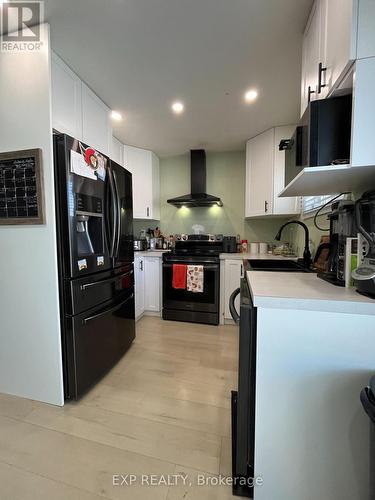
<point x="90" y="291"/>
<point x="95" y="341"/>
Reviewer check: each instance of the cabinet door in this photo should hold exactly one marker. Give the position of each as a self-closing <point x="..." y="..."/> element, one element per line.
<point x="66" y="99"/>
<point x="152" y="283"/>
<point x="363" y="123"/>
<point x="155" y="188"/>
<point x="117" y="150"/>
<point x="282" y="206"/>
<point x="259" y="174"/>
<point x="340" y="18"/>
<point x="311" y="55"/>
<point x="233" y="272"/>
<point x="139" y="163"/>
<point x="366" y="31"/>
<point x="139" y="286"/>
<point x="96" y="125"/>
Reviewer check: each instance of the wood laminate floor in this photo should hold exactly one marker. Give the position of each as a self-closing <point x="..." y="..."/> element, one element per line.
<point x="162" y="414"/>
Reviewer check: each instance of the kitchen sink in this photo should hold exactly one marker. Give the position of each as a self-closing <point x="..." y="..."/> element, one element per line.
<point x="277" y="265"/>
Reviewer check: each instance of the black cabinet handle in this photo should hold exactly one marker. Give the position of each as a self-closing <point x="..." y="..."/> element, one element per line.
<point x="321" y="70"/>
<point x="309" y="92"/>
<point x="148" y="211"/>
<point x="141" y="265"/>
<point x="266" y="206"/>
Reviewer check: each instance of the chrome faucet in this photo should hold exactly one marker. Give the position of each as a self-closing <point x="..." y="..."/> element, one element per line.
<point x="306" y="252"/>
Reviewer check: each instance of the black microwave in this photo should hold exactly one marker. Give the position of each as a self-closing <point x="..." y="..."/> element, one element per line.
<point x="322" y="136"/>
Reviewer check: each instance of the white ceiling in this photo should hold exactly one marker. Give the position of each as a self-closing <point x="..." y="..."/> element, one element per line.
<point x="140" y="55"/>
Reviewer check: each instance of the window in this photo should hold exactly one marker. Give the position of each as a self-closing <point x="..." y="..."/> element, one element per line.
<point x="312" y="203"/>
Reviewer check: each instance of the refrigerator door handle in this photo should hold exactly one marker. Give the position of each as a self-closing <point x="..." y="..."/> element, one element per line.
<point x="118" y="209"/>
<point x="109" y="280"/>
<point x="114" y="213"/>
<point x="103" y="313"/>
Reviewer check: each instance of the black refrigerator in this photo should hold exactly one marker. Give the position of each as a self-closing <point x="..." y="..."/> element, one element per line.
<point x="94" y="215"/>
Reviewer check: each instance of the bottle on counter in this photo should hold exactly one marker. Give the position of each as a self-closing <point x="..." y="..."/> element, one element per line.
<point x="244" y="246"/>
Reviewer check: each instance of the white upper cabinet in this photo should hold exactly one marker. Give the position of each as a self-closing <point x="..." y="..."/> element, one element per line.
<point x="259" y="174"/>
<point x="117" y="151"/>
<point x="311" y="55"/>
<point x="340" y="38"/>
<point x="338" y="32"/>
<point x="66" y="99"/>
<point x="265" y="174"/>
<point x="96" y="124"/>
<point x="366" y="29"/>
<point x="363" y="122"/>
<point x="144" y="165"/>
<point x="77" y="111"/>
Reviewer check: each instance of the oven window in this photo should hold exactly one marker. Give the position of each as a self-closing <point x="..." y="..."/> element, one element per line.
<point x="210" y="287"/>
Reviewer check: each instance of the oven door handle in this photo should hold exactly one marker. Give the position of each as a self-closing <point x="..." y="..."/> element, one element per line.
<point x="103" y="313"/>
<point x="208" y="267"/>
<point x="232" y="307"/>
<point x="108" y="280"/>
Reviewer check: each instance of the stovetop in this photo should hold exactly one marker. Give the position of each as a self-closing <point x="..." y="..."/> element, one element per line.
<point x="202" y="247"/>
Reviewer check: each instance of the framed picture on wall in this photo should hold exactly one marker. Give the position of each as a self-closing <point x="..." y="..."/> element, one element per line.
<point x="21" y="187"/>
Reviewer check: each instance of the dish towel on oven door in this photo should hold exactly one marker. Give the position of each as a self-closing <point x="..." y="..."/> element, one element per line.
<point x="179" y="276"/>
<point x="195" y="280"/>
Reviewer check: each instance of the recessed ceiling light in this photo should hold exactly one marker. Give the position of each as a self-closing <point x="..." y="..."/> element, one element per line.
<point x="178" y="107"/>
<point x="115" y="115"/>
<point x="251" y="95"/>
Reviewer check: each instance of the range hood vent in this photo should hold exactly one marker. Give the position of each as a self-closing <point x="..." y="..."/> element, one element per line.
<point x="198" y="196"/>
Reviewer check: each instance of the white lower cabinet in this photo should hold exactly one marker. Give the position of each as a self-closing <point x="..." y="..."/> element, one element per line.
<point x="233" y="272"/>
<point x="139" y="286"/>
<point x="152" y="284"/>
<point x="148" y="281"/>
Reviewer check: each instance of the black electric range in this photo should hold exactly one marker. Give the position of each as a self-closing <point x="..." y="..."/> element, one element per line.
<point x="181" y="304"/>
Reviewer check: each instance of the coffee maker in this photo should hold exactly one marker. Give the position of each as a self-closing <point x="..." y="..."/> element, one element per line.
<point x="364" y="275"/>
<point x="342" y="226"/>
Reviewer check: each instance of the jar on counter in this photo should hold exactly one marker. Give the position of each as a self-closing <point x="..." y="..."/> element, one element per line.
<point x="244" y="246"/>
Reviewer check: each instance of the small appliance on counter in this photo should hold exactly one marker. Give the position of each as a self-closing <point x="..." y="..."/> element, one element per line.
<point x="140" y="245"/>
<point x="364" y="275"/>
<point x="342" y="226"/>
<point x="229" y="244"/>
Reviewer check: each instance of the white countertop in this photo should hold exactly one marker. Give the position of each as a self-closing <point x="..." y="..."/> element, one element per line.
<point x="289" y="290"/>
<point x="150" y="253"/>
<point x="261" y="256"/>
<point x="223" y="256"/>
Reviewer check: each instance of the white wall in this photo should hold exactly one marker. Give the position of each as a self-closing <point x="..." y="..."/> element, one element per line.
<point x="30" y="346"/>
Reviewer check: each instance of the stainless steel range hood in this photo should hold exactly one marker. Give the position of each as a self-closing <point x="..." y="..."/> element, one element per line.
<point x="198" y="196"/>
